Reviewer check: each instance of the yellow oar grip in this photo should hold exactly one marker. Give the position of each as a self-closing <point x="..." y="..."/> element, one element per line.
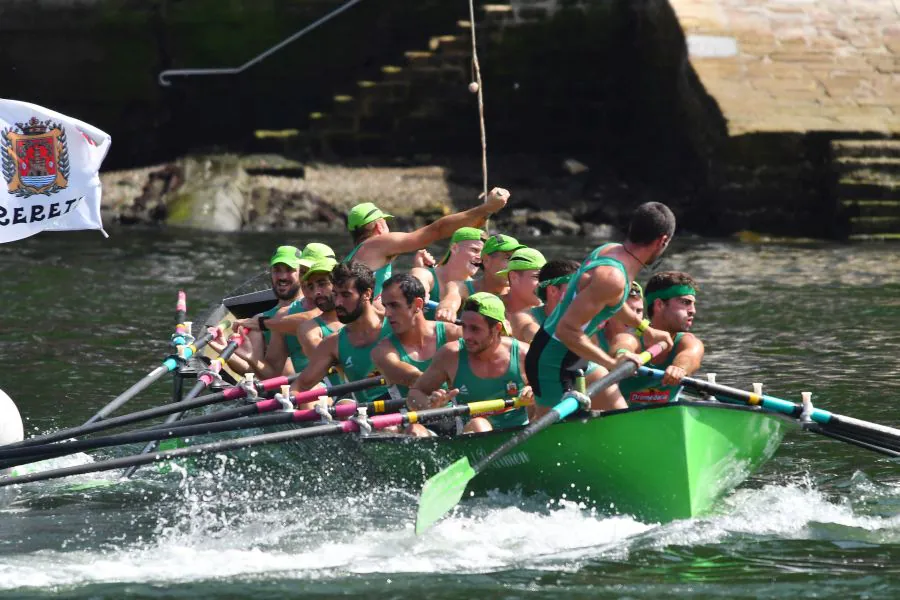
<point x="378" y="406"/>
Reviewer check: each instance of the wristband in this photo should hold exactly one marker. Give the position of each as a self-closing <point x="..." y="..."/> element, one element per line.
<point x="262" y="323"/>
<point x="621" y="351"/>
<point x="645" y="324"/>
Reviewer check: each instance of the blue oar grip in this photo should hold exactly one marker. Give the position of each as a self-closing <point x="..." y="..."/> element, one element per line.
<point x="567" y="406"/>
<point x="178" y="340"/>
<point x="431" y="304"/>
<point x="170" y="364"/>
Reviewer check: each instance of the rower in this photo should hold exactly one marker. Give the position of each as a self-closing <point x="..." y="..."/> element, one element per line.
<point x="460" y="263"/>
<point x="321" y="289"/>
<point x="553" y="278"/>
<point x="523" y="271"/>
<point x="484" y="365"/>
<point x="495" y="255"/>
<point x="597" y="292"/>
<point x="407" y="352"/>
<point x="262" y="352"/>
<point x="351" y="348"/>
<point x="376" y="245"/>
<point x="671" y="306"/>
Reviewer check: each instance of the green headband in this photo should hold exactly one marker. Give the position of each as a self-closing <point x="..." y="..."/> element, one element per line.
<point x="673" y="291"/>
<point x="542" y="286"/>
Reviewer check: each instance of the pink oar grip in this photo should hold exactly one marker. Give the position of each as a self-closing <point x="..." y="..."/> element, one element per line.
<point x="182" y="301"/>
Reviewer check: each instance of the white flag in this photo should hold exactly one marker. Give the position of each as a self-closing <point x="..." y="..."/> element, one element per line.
<point x="49" y="166"/>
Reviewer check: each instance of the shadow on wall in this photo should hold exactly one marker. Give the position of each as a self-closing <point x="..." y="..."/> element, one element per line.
<point x="613" y="88"/>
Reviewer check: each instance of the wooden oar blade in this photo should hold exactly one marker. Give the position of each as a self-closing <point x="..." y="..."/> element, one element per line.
<point x="442" y="492"/>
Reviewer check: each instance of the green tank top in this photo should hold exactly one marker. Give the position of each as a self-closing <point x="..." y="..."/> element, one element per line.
<point x="473" y="388"/>
<point x="441" y="339"/>
<point x="595" y="259"/>
<point x="356" y="362"/>
<point x="295" y="351"/>
<point x="649" y="390"/>
<point x="334" y="377"/>
<point x="381" y="275"/>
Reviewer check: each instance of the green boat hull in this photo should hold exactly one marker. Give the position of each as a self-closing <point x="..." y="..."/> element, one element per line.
<point x="658" y="463"/>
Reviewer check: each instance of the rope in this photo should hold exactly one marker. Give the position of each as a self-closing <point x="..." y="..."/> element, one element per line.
<point x="480" y="90"/>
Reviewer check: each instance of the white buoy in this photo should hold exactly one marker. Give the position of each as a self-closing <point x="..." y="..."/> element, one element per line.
<point x="11" y="429"/>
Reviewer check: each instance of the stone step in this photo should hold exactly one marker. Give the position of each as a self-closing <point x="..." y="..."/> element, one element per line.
<point x="869" y="168"/>
<point x="856" y="190"/>
<point x="393" y="73"/>
<point x="417" y="58"/>
<point x="866" y="148"/>
<point x="871" y="208"/>
<point x="879" y="237"/>
<point x="874" y="225"/>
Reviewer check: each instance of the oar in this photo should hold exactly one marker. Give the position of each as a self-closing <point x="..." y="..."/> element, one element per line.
<point x="443" y="491"/>
<point x="348" y="426"/>
<point x="340" y="411"/>
<point x="204" y="380"/>
<point x="872" y="436"/>
<point x="264" y="406"/>
<point x="179" y="338"/>
<point x="169" y="365"/>
<point x="234" y="393"/>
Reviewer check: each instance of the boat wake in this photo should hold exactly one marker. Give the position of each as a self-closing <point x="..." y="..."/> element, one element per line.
<point x="213" y="529"/>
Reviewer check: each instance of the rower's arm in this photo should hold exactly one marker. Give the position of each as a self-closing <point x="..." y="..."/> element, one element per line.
<point x="387" y="359"/>
<point x="396" y="242"/>
<point x="524" y="326"/>
<point x="687" y="360"/>
<point x="319" y="362"/>
<point x="276" y="357"/>
<point x="309" y="334"/>
<point x="286" y="324"/>
<point x="455" y="294"/>
<point x="431" y="380"/>
<point x="604" y="288"/>
<point x="623" y="341"/>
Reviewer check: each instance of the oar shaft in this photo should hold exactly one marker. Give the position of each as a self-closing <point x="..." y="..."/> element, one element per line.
<point x="130" y="393"/>
<point x="262" y="387"/>
<point x="823" y="417"/>
<point x="170" y="364"/>
<point x="145" y="459"/>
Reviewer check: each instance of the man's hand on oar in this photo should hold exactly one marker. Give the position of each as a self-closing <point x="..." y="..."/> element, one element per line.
<point x="443" y="491"/>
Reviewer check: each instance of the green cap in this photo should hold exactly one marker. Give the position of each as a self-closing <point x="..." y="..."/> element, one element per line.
<point x="524" y="259"/>
<point x="464" y="234"/>
<point x="325" y="265"/>
<point x="636" y="290"/>
<point x="489" y="306"/>
<point x="363" y="214"/>
<point x="501" y="243"/>
<point x="289" y="255"/>
<point x="315" y="252"/>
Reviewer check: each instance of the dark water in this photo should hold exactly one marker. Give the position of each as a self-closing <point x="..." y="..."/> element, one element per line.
<point x="82" y="318"/>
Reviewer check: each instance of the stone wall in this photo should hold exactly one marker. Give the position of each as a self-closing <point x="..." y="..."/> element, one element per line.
<point x="798" y="65"/>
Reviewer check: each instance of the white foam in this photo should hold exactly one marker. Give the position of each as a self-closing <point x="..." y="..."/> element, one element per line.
<point x="235" y="534"/>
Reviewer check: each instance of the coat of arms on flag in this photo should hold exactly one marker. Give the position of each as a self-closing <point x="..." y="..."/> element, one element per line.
<point x="35" y="158"/>
<point x="50" y="165"/>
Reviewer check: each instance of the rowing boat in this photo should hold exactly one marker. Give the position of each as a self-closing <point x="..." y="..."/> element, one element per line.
<point x="657" y="462"/>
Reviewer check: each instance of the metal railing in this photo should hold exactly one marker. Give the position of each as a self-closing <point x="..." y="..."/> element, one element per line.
<point x="163" y="76"/>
